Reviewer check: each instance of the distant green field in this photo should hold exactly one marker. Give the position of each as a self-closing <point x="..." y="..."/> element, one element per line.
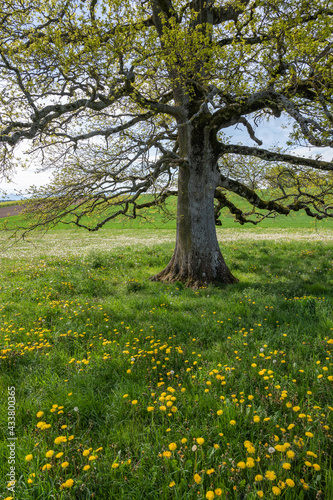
<point x="10" y="203"/>
<point x="157" y="218"/>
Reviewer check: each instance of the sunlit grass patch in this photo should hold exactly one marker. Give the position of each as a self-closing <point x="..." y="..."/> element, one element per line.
<point x="127" y="388"/>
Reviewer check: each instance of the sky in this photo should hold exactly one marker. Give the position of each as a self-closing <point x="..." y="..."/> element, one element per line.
<point x="270" y="133"/>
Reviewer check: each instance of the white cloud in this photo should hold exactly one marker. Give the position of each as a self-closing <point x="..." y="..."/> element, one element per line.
<point x="23" y="179"/>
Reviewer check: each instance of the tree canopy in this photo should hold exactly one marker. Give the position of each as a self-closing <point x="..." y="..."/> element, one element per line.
<point x="122" y="98"/>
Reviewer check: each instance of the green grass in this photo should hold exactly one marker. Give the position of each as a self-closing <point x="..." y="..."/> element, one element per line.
<point x="11" y="203"/>
<point x="158" y="218"/>
<point x="93" y="344"/>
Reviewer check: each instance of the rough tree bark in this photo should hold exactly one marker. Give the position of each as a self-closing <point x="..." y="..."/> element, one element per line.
<point x="197" y="259"/>
<point x="101" y="91"/>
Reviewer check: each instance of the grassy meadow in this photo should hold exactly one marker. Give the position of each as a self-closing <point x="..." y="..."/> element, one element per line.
<point x="126" y="388"/>
<point x="11" y="203"/>
<point x="165" y="218"/>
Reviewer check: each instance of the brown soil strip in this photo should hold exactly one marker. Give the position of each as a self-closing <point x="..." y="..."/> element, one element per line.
<point x="11" y="210"/>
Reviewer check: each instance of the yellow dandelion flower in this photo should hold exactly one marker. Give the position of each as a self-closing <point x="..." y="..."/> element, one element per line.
<point x="59" y="455"/>
<point x="115" y="465"/>
<point x="64" y="465"/>
<point x="258" y="478"/>
<point x="60" y="439"/>
<point x="218" y="492"/>
<point x="197" y="478"/>
<point x="172" y="484"/>
<point x="40" y="414"/>
<point x="270" y="474"/>
<point x="210" y="495"/>
<point x="86" y="467"/>
<point x="250" y="462"/>
<point x="172" y="446"/>
<point x="276" y="490"/>
<point x="67" y="484"/>
<point x="29" y="458"/>
<point x="232" y="422"/>
<point x="49" y="453"/>
<point x="46" y="467"/>
<point x="290" y="483"/>
<point x="241" y="465"/>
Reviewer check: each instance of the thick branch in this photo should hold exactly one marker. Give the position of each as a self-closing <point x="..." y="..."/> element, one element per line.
<point x="231" y="113"/>
<point x="228" y="13"/>
<point x="264" y="154"/>
<point x="158" y="106"/>
<point x="107" y="131"/>
<point x="224" y="202"/>
<point x="252" y="197"/>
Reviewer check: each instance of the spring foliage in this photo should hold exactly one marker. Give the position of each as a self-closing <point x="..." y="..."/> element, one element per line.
<point x="107" y="92"/>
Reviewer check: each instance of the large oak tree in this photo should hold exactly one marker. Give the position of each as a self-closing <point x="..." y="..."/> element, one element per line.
<point x="129" y="97"/>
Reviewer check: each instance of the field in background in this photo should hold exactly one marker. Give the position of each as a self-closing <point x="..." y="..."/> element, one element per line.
<point x="11" y="203"/>
<point x="156" y="218"/>
<point x="130" y="389"/>
<point x="79" y="243"/>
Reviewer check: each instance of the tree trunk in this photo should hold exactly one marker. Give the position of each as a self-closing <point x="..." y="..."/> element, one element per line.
<point x="197" y="259"/>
